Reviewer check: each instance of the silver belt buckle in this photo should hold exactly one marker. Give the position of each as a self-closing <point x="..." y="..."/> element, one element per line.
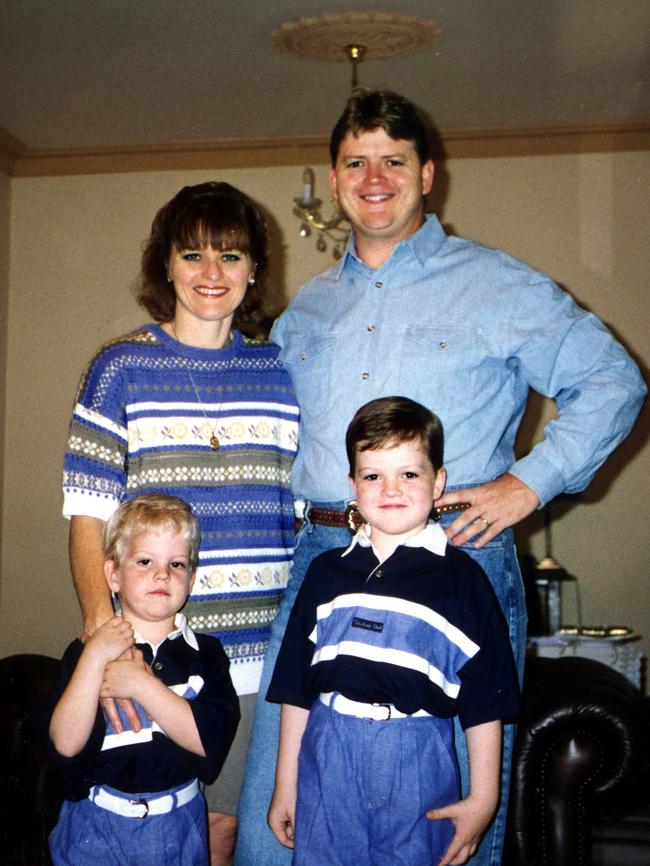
<point x="141" y="802"/>
<point x="386" y="707"/>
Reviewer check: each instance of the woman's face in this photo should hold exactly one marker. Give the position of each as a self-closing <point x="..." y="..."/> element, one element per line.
<point x="209" y="284"/>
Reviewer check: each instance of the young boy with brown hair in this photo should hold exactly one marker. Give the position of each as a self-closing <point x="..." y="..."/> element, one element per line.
<point x="387" y="642"/>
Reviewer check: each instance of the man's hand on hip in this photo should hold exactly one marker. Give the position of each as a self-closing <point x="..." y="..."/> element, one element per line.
<point x="493" y="507"/>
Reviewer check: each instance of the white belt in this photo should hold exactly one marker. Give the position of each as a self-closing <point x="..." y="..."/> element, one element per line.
<point x="376" y="712"/>
<point x="143" y="808"/>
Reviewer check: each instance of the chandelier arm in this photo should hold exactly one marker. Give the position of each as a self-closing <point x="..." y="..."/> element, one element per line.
<point x="321" y="225"/>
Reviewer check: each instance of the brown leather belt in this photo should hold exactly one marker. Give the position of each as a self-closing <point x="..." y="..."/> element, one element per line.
<point x="338" y="519"/>
<point x="327" y="517"/>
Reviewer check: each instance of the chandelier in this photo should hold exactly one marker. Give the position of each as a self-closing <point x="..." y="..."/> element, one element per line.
<point x="351" y="37"/>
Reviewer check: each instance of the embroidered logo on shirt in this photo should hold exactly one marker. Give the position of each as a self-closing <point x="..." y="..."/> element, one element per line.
<point x="367" y="624"/>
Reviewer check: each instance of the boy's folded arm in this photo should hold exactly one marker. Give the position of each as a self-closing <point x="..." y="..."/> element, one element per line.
<point x="75" y="713"/>
<point x="472" y="815"/>
<point x="129" y="678"/>
<point x="281" y="815"/>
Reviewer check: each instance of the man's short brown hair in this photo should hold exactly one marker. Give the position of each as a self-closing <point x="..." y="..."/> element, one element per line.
<point x="367" y="110"/>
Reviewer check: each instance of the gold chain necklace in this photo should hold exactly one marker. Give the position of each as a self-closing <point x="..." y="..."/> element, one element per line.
<point x="215" y="444"/>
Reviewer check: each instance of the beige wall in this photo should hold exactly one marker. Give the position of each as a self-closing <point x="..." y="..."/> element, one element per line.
<point x="74" y="254"/>
<point x="5" y="223"/>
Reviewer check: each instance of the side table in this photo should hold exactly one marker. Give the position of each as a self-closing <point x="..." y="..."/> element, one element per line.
<point x="620" y="654"/>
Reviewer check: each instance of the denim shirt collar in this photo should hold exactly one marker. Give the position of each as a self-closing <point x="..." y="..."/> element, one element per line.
<point x="423" y="244"/>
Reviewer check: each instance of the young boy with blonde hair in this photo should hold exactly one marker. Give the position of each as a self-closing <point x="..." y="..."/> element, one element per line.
<point x="388" y="640"/>
<point x="133" y="798"/>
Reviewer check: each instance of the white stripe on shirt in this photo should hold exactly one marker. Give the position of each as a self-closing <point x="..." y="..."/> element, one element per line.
<point x="388" y="656"/>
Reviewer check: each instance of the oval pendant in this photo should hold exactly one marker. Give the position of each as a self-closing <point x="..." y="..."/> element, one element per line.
<point x="214" y="442"/>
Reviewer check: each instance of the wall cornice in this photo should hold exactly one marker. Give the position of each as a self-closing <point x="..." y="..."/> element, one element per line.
<point x="305" y="150"/>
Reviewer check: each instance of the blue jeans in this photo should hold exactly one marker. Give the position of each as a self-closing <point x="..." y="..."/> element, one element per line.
<point x="87" y="835"/>
<point x="364" y="788"/>
<point x="256" y="845"/>
<point x="499" y="561"/>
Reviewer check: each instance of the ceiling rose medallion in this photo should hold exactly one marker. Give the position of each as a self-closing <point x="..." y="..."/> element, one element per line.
<point x="382" y="34"/>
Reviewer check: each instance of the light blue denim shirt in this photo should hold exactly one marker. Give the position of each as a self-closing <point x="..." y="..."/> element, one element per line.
<point x="465" y="330"/>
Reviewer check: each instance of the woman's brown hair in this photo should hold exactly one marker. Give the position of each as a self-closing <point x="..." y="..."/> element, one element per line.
<point x="213" y="214"/>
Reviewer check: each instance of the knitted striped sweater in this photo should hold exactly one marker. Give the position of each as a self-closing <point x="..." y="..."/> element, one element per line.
<point x="145" y="410"/>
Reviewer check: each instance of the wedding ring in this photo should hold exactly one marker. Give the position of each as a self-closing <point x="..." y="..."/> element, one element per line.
<point x="486" y="522"/>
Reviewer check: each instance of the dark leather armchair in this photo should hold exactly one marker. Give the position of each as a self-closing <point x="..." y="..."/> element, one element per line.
<point x="30" y="788"/>
<point x="581" y="752"/>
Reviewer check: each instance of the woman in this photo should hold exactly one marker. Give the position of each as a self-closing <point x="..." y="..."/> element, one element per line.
<point x="189" y="406"/>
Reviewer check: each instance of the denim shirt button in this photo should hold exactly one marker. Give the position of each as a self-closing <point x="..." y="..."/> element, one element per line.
<point x="378" y="285"/>
<point x="371" y="327"/>
<point x="442" y="344"/>
<point x="365" y="376"/>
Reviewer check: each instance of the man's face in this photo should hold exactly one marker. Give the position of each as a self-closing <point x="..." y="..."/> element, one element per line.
<point x="379" y="183"/>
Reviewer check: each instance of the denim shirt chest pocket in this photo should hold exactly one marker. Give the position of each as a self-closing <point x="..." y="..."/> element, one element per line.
<point x="310" y="362"/>
<point x="450" y="363"/>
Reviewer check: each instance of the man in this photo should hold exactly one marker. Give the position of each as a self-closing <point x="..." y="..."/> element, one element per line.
<point x="466" y="331"/>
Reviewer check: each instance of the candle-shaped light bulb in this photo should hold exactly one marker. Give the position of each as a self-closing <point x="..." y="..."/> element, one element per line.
<point x="308" y="185"/>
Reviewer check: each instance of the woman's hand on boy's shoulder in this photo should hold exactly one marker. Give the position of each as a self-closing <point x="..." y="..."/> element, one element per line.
<point x="470" y="818"/>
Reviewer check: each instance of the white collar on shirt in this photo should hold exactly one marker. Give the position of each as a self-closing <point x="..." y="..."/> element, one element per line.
<point x="432" y="538"/>
<point x="180" y="628"/>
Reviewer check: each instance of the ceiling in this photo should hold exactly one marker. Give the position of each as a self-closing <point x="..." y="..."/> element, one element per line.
<point x="111" y="73"/>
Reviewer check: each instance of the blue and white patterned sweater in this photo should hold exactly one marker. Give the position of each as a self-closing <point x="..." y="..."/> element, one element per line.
<point x="145" y="410"/>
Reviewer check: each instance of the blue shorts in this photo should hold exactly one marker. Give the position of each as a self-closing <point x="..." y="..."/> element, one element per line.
<point x="88" y="835"/>
<point x="364" y="787"/>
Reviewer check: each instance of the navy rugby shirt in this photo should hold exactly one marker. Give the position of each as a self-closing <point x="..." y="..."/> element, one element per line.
<point x="194" y="666"/>
<point x="421" y="630"/>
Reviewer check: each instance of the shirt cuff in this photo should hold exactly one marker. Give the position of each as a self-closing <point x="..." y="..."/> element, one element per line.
<point x="78" y="503"/>
<point x="535" y="471"/>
